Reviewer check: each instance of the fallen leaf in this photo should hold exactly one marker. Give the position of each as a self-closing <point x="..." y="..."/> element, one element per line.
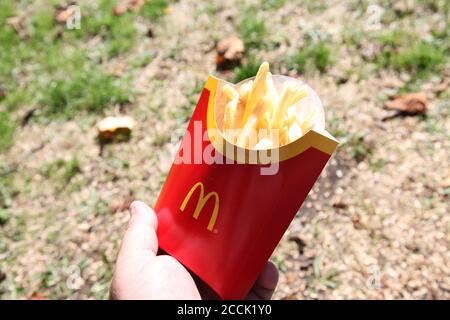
<point x="37" y="296"/>
<point x="356" y="220"/>
<point x="124" y="6"/>
<point x="115" y="129"/>
<point x="411" y="103"/>
<point x="229" y="53"/>
<point x="340" y="205"/>
<point x="63" y="13"/>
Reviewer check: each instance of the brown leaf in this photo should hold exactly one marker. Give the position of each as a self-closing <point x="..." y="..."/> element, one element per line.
<point x="411" y="103"/>
<point x="229" y="52"/>
<point x="127" y="5"/>
<point x="63" y="13"/>
<point x="356" y="220"/>
<point x="37" y="296"/>
<point x="340" y="205"/>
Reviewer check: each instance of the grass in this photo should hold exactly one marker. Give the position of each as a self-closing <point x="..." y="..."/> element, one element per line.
<point x="117" y="32"/>
<point x="87" y="90"/>
<point x="314" y="56"/>
<point x="327" y="278"/>
<point x="7" y="128"/>
<point x="246" y="70"/>
<point x="402" y="52"/>
<point x="4" y="216"/>
<point x="59" y="72"/>
<point x="7" y="189"/>
<point x="62" y="172"/>
<point x="272" y="4"/>
<point x="357" y="147"/>
<point x="252" y="28"/>
<point x="154" y="9"/>
<point x="421" y="58"/>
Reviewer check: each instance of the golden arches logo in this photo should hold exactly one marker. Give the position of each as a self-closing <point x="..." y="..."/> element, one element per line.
<point x="202" y="200"/>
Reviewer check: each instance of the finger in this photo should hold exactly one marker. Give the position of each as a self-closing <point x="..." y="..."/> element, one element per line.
<point x="140" y="237"/>
<point x="265" y="284"/>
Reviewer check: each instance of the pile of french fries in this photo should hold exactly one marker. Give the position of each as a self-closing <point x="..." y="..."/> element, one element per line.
<point x="256" y="116"/>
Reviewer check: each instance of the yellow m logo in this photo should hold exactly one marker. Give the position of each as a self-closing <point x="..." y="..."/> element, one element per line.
<point x="202" y="199"/>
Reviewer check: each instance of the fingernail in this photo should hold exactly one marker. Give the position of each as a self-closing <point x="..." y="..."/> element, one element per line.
<point x="134" y="206"/>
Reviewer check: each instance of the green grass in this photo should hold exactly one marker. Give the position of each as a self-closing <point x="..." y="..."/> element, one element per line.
<point x="88" y="90"/>
<point x="7" y="128"/>
<point x="272" y="4"/>
<point x="421" y="58"/>
<point x="117" y="32"/>
<point x="357" y="147"/>
<point x="4" y="216"/>
<point x="252" y="28"/>
<point x="7" y="188"/>
<point x="154" y="9"/>
<point x="403" y="52"/>
<point x="62" y="172"/>
<point x="316" y="6"/>
<point x="314" y="56"/>
<point x="246" y="70"/>
<point x="59" y="72"/>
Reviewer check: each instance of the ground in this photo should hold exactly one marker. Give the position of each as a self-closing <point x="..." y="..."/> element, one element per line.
<point x="376" y="225"/>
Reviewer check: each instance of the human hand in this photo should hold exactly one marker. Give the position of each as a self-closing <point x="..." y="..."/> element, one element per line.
<point x="141" y="274"/>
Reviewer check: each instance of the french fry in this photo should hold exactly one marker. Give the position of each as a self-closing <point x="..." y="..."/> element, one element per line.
<point x="272" y="92"/>
<point x="248" y="130"/>
<point x="283" y="136"/>
<point x="230" y="113"/>
<point x="264" y="121"/>
<point x="291" y="95"/>
<point x="257" y="91"/>
<point x="294" y="133"/>
<point x="256" y="105"/>
<point x="307" y="123"/>
<point x="230" y="92"/>
<point x="251" y="125"/>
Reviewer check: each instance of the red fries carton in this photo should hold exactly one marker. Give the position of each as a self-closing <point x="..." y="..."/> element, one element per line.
<point x="223" y="208"/>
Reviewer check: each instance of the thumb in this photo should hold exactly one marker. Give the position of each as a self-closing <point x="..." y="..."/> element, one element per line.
<point x="140" y="237"/>
<point x="139" y="245"/>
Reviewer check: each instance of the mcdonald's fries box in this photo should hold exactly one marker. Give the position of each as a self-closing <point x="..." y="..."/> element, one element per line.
<point x="223" y="208"/>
